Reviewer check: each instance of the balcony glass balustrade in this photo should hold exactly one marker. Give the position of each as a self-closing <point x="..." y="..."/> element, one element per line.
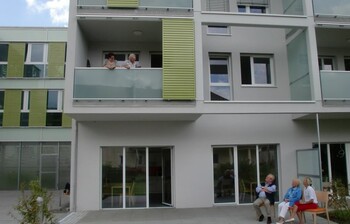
<point x="335" y="85"/>
<point x="128" y="84"/>
<point x="331" y="8"/>
<point x="186" y="4"/>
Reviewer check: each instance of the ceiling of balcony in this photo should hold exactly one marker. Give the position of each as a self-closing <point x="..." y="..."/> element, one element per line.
<point x="130" y="31"/>
<point x="331" y="37"/>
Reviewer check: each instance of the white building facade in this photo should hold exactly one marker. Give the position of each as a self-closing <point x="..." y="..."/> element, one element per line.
<point x="228" y="91"/>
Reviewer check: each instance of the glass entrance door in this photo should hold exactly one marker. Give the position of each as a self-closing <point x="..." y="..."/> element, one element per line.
<point x="134" y="177"/>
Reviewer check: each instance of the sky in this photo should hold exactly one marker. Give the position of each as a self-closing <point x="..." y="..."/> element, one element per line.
<point x="34" y="13"/>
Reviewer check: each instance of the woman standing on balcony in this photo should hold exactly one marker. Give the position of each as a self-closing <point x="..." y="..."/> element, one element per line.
<point x="110" y="62"/>
<point x="132" y="63"/>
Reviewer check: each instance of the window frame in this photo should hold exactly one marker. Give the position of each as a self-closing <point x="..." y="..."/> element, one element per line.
<point x="249" y="6"/>
<point x="252" y="70"/>
<point x="347" y="58"/>
<point x="322" y="58"/>
<point x="59" y="103"/>
<point x="229" y="72"/>
<point x="4" y="63"/>
<point x="25" y="101"/>
<point x="28" y="58"/>
<point x="227" y="33"/>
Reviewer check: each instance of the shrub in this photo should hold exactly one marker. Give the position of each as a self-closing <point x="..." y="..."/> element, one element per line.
<point x="28" y="208"/>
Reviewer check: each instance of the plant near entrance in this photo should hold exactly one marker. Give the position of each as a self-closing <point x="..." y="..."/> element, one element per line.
<point x="341" y="212"/>
<point x="33" y="206"/>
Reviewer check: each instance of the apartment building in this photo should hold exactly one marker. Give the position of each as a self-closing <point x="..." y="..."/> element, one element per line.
<point x="35" y="134"/>
<point x="236" y="87"/>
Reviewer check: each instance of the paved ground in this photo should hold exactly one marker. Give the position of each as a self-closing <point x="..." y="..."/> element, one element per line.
<point x="215" y="215"/>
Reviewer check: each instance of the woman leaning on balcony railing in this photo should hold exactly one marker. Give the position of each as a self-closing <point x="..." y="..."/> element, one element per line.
<point x="110" y="62"/>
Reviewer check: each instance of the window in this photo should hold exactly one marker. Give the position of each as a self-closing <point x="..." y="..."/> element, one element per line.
<point x="220" y="83"/>
<point x="54" y="108"/>
<point x="218" y="30"/>
<point x="35" y="60"/>
<point x="218" y="5"/>
<point x="2" y="99"/>
<point x="251" y="9"/>
<point x="156" y="60"/>
<point x="2" y="96"/>
<point x="257" y="70"/>
<point x="25" y="106"/>
<point x="347" y="63"/>
<point x="4" y="48"/>
<point x="326" y="63"/>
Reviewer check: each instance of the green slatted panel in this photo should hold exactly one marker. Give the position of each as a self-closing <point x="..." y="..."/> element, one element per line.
<point x="66" y="121"/>
<point x="37" y="112"/>
<point x="56" y="56"/>
<point x="15" y="66"/>
<point x="12" y="108"/>
<point x="123" y="3"/>
<point x="178" y="59"/>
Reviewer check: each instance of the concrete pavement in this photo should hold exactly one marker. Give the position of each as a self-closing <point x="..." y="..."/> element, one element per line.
<point x="243" y="214"/>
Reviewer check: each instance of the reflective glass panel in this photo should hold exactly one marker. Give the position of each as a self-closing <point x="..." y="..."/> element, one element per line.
<point x="224" y="182"/>
<point x="37" y="54"/>
<point x="9" y="159"/>
<point x="247" y="173"/>
<point x="112" y="177"/>
<point x="30" y="162"/>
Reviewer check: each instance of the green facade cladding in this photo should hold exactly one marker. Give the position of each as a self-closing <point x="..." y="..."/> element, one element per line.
<point x="15" y="66"/>
<point x="56" y="60"/>
<point x="178" y="59"/>
<point x="66" y="121"/>
<point x="37" y="112"/>
<point x="123" y="3"/>
<point x="12" y="108"/>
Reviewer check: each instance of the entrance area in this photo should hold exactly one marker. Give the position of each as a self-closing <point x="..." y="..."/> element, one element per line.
<point x="136" y="177"/>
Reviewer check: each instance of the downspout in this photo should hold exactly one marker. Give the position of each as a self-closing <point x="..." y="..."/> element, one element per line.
<point x="319" y="147"/>
<point x="74" y="161"/>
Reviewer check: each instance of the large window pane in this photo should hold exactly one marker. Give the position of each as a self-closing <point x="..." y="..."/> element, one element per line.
<point x="135" y="195"/>
<point x="2" y="97"/>
<point x="30" y="161"/>
<point x="3" y="70"/>
<point x="112" y="177"/>
<point x="247" y="173"/>
<point x="268" y="163"/>
<point x="34" y="71"/>
<point x="9" y="159"/>
<point x="4" y="48"/>
<point x="64" y="164"/>
<point x="262" y="73"/>
<point x="52" y="99"/>
<point x="224" y="186"/>
<point x="37" y="54"/>
<point x="246" y="70"/>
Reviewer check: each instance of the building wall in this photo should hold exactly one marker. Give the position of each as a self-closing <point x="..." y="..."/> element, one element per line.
<point x="192" y="154"/>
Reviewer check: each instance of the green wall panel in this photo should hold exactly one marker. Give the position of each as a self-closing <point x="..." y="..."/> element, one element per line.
<point x="12" y="108"/>
<point x="123" y="3"/>
<point x="15" y="66"/>
<point x="178" y="59"/>
<point x="66" y="121"/>
<point x="37" y="112"/>
<point x="56" y="56"/>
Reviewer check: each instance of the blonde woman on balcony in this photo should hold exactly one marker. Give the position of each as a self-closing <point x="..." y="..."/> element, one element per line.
<point x="132" y="63"/>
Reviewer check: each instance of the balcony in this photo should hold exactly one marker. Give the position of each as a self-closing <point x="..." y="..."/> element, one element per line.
<point x="285" y="7"/>
<point x="335" y="87"/>
<point x="119" y="84"/>
<point x="166" y="4"/>
<point x="332" y="13"/>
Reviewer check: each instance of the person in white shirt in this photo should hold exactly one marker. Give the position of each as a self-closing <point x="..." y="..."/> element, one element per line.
<point x="132" y="63"/>
<point x="309" y="202"/>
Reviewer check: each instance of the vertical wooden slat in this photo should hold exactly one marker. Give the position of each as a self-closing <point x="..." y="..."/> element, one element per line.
<point x="178" y="59"/>
<point x="123" y="3"/>
<point x="37" y="112"/>
<point x="15" y="66"/>
<point x="12" y="108"/>
<point x="56" y="57"/>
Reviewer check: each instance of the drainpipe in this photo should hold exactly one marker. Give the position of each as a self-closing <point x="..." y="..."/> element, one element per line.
<point x="319" y="147"/>
<point x="74" y="161"/>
